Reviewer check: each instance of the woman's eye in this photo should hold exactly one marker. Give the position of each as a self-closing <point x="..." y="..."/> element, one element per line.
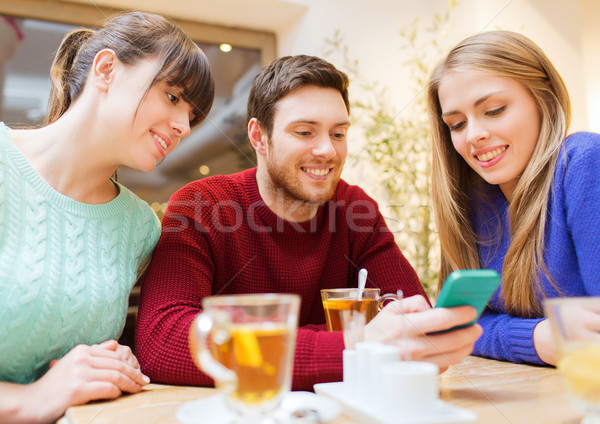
<point x="338" y="136"/>
<point x="303" y="133"/>
<point x="496" y="111"/>
<point x="173" y="99"/>
<point x="457" y="126"/>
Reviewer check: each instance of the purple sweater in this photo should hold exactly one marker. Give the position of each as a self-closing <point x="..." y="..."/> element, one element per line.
<point x="572" y="250"/>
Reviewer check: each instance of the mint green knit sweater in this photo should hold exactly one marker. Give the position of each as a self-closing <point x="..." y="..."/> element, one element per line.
<point x="66" y="268"/>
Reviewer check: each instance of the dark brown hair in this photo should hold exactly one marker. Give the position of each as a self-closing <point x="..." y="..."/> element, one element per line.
<point x="133" y="36"/>
<point x="287" y="74"/>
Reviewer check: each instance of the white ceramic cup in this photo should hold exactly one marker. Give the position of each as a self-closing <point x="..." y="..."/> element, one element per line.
<point x="350" y="366"/>
<point x="409" y="386"/>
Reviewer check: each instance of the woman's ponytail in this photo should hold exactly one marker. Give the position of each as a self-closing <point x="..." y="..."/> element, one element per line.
<point x="60" y="74"/>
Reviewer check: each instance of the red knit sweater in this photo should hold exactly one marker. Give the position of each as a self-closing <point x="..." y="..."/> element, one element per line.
<point x="219" y="237"/>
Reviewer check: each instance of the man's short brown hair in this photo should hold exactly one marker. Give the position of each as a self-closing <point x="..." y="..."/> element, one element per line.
<point x="287" y="74"/>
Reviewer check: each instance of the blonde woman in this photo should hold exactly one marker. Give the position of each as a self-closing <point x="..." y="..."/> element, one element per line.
<point x="511" y="191"/>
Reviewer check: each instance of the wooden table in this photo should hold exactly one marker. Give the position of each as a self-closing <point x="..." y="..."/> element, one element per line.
<point x="503" y="392"/>
<point x="498" y="392"/>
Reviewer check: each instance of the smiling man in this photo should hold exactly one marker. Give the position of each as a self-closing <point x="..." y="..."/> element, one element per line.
<point x="290" y="225"/>
<point x="301" y="154"/>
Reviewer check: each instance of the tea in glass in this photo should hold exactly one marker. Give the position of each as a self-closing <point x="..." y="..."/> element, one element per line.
<point x="257" y="353"/>
<point x="581" y="368"/>
<point x="246" y="344"/>
<point x="366" y="302"/>
<point x="335" y="307"/>
<point x="578" y="349"/>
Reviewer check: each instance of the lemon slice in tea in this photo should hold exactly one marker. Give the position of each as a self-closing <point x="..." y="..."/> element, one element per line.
<point x="581" y="369"/>
<point x="246" y="347"/>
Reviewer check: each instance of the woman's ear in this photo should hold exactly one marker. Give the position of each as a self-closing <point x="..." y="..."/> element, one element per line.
<point x="103" y="68"/>
<point x="258" y="137"/>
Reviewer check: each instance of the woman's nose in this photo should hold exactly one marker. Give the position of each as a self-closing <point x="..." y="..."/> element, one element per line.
<point x="181" y="124"/>
<point x="476" y="132"/>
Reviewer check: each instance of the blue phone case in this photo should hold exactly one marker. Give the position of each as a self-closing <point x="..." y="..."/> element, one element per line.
<point x="473" y="287"/>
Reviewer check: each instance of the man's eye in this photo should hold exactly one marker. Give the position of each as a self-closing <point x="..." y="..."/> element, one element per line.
<point x="339" y="136"/>
<point x="303" y="133"/>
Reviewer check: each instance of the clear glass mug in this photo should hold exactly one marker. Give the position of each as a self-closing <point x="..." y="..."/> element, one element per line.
<point x="367" y="304"/>
<point x="246" y="344"/>
<point x="578" y="349"/>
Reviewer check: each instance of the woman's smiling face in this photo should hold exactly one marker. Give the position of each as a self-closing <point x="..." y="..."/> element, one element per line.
<point x="494" y="124"/>
<point x="150" y="121"/>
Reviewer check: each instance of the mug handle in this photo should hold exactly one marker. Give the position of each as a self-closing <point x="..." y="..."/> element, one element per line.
<point x="386" y="297"/>
<point x="203" y="325"/>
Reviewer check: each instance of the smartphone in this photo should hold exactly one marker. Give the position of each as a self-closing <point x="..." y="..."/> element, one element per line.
<point x="473" y="287"/>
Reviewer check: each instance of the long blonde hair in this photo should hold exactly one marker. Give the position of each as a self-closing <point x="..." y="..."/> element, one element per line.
<point x="512" y="55"/>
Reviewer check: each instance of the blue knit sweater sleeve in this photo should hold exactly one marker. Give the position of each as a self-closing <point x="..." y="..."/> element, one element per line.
<point x="507" y="338"/>
<point x="572" y="249"/>
<point x="581" y="192"/>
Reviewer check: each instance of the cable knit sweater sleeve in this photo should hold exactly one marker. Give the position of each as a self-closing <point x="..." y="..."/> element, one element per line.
<point x="219" y="238"/>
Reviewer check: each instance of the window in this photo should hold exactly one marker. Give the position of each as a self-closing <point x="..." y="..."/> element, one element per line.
<point x="29" y="39"/>
<point x="218" y="146"/>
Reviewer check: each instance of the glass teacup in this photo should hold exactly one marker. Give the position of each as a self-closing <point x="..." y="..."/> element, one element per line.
<point x="366" y="302"/>
<point x="246" y="344"/>
<point x="578" y="349"/>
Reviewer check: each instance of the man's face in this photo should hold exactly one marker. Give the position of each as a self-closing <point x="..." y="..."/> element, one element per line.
<point x="308" y="145"/>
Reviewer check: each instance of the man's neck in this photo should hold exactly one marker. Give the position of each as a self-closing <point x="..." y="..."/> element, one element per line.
<point x="282" y="205"/>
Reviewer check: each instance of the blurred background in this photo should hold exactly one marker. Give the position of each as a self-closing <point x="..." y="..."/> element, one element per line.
<point x="387" y="47"/>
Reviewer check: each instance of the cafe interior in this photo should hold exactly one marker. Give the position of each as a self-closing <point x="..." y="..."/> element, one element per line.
<point x="364" y="38"/>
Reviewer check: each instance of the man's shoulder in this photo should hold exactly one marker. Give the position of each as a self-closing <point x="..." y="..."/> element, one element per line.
<point x="349" y="192"/>
<point x="217" y="187"/>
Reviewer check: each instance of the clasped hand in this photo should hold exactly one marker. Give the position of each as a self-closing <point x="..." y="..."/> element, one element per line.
<point x="580" y="322"/>
<point x="86" y="373"/>
<point x="408" y="324"/>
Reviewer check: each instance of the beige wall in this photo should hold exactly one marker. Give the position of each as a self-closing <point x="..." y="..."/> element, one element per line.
<point x="590" y="33"/>
<point x="567" y="30"/>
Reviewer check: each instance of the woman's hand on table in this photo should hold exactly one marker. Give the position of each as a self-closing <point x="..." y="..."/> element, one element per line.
<point x="86" y="373"/>
<point x="415" y="316"/>
<point x="583" y="323"/>
<point x="101" y="371"/>
<point x="123" y="351"/>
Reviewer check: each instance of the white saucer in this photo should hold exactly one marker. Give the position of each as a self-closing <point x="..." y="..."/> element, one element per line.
<point x="441" y="412"/>
<point x="213" y="409"/>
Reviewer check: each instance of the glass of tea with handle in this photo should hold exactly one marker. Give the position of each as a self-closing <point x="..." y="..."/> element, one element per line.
<point x="246" y="344"/>
<point x="367" y="302"/>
